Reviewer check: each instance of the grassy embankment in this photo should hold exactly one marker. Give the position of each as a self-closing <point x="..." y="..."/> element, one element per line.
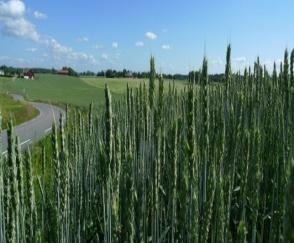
<point x="18" y="111"/>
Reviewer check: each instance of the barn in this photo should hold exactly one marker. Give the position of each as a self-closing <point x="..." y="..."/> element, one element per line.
<point x="29" y="75"/>
<point x="63" y="72"/>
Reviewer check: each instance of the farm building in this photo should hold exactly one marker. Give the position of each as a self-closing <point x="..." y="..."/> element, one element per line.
<point x="63" y="72"/>
<point x="29" y="75"/>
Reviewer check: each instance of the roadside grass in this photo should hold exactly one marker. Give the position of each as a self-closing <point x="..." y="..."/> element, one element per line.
<point x="19" y="112"/>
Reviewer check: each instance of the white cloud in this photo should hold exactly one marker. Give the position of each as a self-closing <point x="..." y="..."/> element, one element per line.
<point x="59" y="50"/>
<point x="66" y="53"/>
<point x="139" y="44"/>
<point x="12" y="8"/>
<point x="14" y="23"/>
<point x="12" y="17"/>
<point x="217" y="62"/>
<point x="151" y="35"/>
<point x="115" y="45"/>
<point x="240" y="60"/>
<point x="269" y="63"/>
<point x="56" y="47"/>
<point x="21" y="60"/>
<point x="116" y="56"/>
<point x="3" y="58"/>
<point x="40" y="15"/>
<point x="20" y="28"/>
<point x="240" y="63"/>
<point x="104" y="57"/>
<point x="166" y="47"/>
<point x="98" y="46"/>
<point x="31" y="49"/>
<point x="167" y="67"/>
<point x="14" y="61"/>
<point x="83" y="39"/>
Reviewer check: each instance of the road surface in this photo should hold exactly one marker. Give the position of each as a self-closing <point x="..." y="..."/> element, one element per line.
<point x="35" y="129"/>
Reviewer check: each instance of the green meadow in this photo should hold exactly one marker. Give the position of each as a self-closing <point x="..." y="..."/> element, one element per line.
<point x="74" y="91"/>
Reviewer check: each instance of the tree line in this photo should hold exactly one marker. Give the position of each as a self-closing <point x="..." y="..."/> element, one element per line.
<point x="192" y="76"/>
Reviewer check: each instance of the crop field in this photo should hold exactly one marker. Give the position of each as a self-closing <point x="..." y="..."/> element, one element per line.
<point x="17" y="111"/>
<point x="213" y="163"/>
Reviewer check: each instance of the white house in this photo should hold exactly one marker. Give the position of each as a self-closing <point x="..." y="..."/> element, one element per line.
<point x="2" y="73"/>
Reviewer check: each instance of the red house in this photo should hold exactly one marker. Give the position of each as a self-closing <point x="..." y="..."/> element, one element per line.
<point x="29" y="75"/>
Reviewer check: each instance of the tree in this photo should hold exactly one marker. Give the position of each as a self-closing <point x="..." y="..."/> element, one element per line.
<point x="109" y="73"/>
<point x="124" y="73"/>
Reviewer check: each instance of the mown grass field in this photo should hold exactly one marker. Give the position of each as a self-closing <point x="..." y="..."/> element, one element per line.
<point x="18" y="111"/>
<point x="118" y="85"/>
<point x="52" y="89"/>
<point x="74" y="91"/>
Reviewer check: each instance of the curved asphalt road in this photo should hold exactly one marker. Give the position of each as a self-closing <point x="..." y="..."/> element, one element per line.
<point x="35" y="129"/>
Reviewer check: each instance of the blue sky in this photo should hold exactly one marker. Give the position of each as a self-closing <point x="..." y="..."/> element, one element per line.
<point x="95" y="35"/>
